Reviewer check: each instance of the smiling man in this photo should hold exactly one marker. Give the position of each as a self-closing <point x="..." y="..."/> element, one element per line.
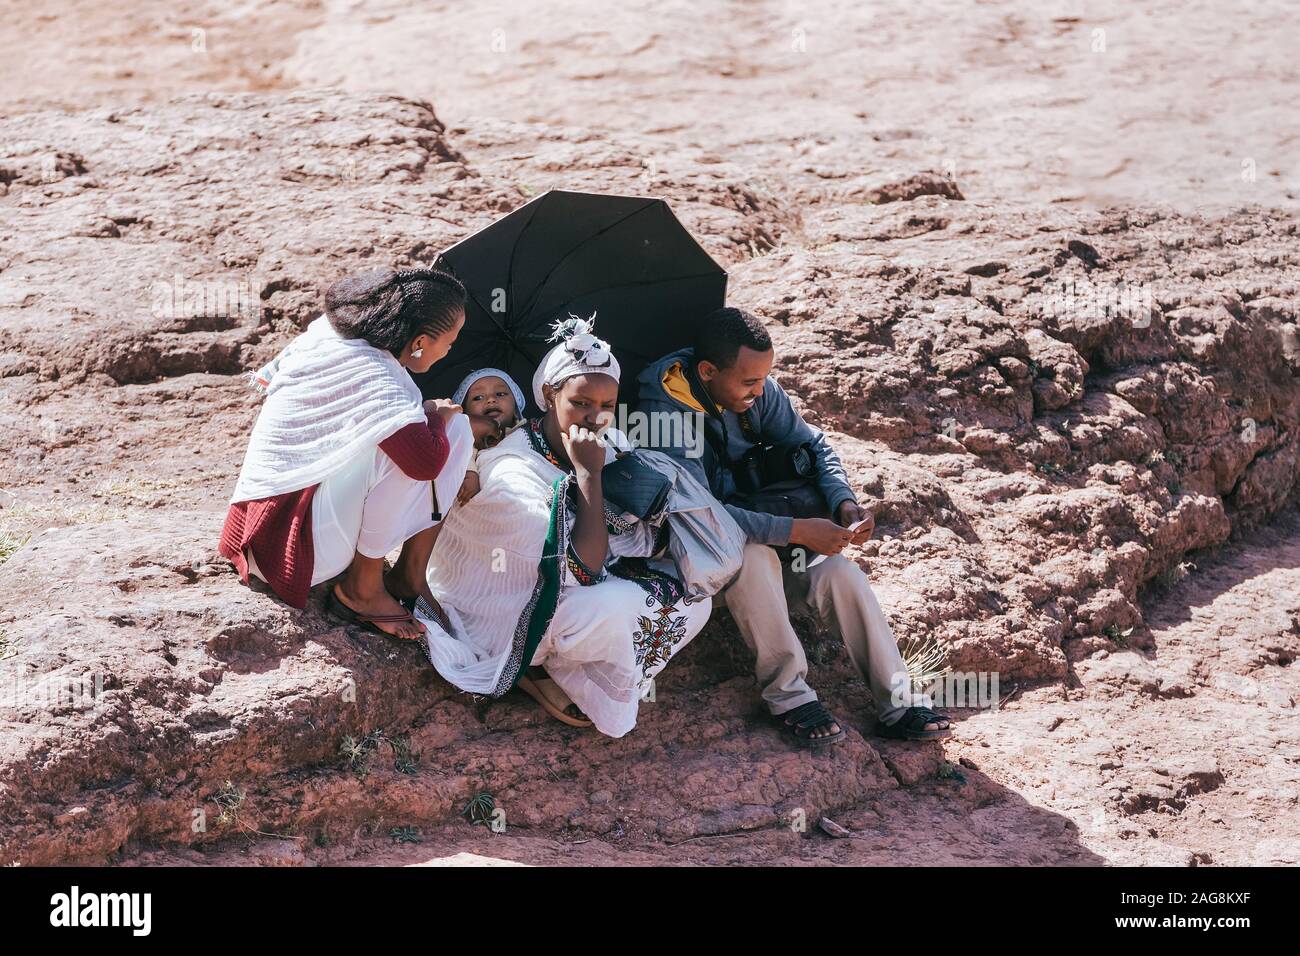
<point x="785" y="486"/>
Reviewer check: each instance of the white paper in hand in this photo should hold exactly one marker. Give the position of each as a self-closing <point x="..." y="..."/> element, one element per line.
<point x="822" y="557"/>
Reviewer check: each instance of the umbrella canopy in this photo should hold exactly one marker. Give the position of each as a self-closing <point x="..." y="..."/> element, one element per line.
<point x="625" y="258"/>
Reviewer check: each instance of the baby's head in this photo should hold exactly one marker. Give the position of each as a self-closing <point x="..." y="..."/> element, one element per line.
<point x="491" y="396"/>
<point x="491" y="393"/>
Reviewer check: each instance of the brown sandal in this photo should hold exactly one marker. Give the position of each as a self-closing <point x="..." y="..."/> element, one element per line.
<point x="334" y="604"/>
<point x="553" y="699"/>
<point x="433" y="612"/>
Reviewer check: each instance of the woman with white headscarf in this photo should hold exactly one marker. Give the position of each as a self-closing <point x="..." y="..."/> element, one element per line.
<point x="543" y="584"/>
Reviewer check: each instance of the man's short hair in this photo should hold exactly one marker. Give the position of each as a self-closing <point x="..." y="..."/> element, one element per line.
<point x="724" y="331"/>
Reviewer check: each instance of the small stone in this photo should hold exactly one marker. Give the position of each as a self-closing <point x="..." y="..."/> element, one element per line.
<point x="833" y="829"/>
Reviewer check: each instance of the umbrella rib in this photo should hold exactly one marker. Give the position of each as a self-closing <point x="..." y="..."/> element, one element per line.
<point x="505" y="334"/>
<point x="510" y="266"/>
<point x="486" y="311"/>
<point x="473" y="297"/>
<point x="510" y="292"/>
<point x="649" y="203"/>
<point x="637" y="285"/>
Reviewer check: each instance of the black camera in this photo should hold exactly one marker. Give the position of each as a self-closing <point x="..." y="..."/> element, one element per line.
<point x="766" y="465"/>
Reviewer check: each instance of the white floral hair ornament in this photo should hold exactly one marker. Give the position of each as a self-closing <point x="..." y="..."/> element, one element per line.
<point x="579" y="337"/>
<point x="578" y="352"/>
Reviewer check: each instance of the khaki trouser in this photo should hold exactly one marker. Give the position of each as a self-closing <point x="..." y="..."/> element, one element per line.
<point x="837" y="591"/>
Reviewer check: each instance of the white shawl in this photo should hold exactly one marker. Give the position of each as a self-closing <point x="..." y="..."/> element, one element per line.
<point x="484" y="569"/>
<point x="330" y="398"/>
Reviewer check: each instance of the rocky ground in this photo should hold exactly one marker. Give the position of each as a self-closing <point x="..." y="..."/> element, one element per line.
<point x="1077" y="410"/>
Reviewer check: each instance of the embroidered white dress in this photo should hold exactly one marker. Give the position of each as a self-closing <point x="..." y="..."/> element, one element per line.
<point x="517" y="594"/>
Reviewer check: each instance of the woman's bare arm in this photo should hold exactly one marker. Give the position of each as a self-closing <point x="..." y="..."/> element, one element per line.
<point x="590" y="540"/>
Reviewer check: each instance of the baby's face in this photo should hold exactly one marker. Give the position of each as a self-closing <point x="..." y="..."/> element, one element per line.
<point x="491" y="396"/>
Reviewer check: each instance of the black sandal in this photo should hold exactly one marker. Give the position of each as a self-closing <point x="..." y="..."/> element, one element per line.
<point x="804" y="719"/>
<point x="911" y="726"/>
<point x="433" y="612"/>
<point x="367" y="622"/>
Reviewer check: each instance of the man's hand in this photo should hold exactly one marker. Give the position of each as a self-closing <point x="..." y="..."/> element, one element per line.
<point x="585" y="450"/>
<point x="849" y="513"/>
<point x="820" y="534"/>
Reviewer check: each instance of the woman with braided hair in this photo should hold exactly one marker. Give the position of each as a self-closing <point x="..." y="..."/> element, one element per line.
<point x="346" y="461"/>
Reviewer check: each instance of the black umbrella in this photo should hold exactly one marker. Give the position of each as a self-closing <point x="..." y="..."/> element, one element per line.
<point x="627" y="259"/>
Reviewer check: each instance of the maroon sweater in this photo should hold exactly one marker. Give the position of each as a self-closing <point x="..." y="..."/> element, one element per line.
<point x="278" y="529"/>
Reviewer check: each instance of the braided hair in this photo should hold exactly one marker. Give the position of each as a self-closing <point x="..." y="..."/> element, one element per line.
<point x="388" y="308"/>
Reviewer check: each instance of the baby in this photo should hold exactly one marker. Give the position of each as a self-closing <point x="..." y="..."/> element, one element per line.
<point x="492" y="394"/>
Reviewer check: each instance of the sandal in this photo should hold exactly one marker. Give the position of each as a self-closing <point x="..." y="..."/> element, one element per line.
<point x="434" y="612"/>
<point x="553" y="699"/>
<point x="334" y="604"/>
<point x="804" y="719"/>
<point x="911" y="726"/>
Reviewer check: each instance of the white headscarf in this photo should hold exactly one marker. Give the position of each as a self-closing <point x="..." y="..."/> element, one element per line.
<point x="579" y="353"/>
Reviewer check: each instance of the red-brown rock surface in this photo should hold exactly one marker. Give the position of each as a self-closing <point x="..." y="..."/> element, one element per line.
<point x="1059" y="412"/>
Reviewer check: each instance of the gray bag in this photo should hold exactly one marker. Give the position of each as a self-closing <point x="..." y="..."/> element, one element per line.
<point x="704" y="541"/>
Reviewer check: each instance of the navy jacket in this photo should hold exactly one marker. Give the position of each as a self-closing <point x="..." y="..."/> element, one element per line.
<point x="663" y="387"/>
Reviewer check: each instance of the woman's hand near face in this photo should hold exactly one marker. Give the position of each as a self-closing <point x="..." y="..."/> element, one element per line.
<point x="590" y="538"/>
<point x="585" y="450"/>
